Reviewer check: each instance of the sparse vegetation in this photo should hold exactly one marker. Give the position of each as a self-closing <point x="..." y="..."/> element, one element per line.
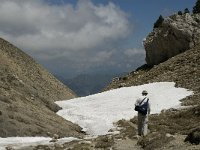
<point x="180" y="13"/>
<point x="196" y="8"/>
<point x="125" y="78"/>
<point x="194" y="136"/>
<point x="154" y="141"/>
<point x="186" y="11"/>
<point x="27" y="95"/>
<point x="183" y="69"/>
<point x="104" y="142"/>
<point x="128" y="129"/>
<point x="175" y="122"/>
<point x="182" y="122"/>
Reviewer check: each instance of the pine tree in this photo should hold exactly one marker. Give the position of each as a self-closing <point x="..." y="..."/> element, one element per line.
<point x="159" y="22"/>
<point x="180" y="13"/>
<point x="196" y="8"/>
<point x="186" y="11"/>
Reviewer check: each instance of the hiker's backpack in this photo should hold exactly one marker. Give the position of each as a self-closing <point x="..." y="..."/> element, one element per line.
<point x="142" y="108"/>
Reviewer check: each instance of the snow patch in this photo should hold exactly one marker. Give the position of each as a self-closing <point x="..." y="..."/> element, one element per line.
<point x="19" y="142"/>
<point x="97" y="113"/>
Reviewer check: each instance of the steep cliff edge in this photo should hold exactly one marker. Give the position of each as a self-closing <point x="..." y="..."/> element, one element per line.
<point x="176" y="34"/>
<point x="27" y="95"/>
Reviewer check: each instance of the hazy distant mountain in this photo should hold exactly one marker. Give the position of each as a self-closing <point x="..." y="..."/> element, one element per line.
<point x="87" y="84"/>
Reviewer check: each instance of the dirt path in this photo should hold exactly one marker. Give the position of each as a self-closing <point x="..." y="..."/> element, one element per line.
<point x="126" y="140"/>
<point x="126" y="144"/>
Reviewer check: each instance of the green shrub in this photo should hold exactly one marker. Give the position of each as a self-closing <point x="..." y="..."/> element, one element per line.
<point x="186" y="11"/>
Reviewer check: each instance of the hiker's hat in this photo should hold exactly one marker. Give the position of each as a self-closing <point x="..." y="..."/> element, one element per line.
<point x="144" y="92"/>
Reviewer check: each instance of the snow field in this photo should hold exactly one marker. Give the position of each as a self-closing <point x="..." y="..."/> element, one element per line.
<point x="97" y="113"/>
<point x="19" y="142"/>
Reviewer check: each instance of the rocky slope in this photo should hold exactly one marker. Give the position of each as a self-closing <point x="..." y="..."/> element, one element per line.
<point x="176" y="34"/>
<point x="27" y="95"/>
<point x="184" y="69"/>
<point x="172" y="55"/>
<point x="171" y="127"/>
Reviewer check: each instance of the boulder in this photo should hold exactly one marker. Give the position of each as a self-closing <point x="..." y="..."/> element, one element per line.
<point x="193" y="137"/>
<point x="175" y="35"/>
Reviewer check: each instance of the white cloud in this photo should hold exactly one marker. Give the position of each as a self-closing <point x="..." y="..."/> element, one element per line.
<point x="133" y="51"/>
<point x="34" y="25"/>
<point x="79" y="36"/>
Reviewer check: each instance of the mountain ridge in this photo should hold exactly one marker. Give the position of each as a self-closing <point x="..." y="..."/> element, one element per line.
<point x="27" y="96"/>
<point x="181" y="125"/>
<point x="88" y="84"/>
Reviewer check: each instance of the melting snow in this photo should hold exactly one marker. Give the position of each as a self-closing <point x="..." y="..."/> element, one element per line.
<point x="19" y="142"/>
<point x="97" y="113"/>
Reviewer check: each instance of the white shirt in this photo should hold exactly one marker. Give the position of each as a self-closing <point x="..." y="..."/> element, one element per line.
<point x="145" y="98"/>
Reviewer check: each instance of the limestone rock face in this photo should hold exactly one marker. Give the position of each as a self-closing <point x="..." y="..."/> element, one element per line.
<point x="177" y="34"/>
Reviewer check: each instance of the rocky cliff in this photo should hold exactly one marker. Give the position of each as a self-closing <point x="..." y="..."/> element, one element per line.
<point x="27" y="95"/>
<point x="171" y="127"/>
<point x="176" y="34"/>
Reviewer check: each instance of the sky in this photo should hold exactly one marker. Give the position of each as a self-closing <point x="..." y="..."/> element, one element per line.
<point x="72" y="37"/>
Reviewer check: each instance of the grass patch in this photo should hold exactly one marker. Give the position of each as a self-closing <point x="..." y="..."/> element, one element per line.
<point x="127" y="129"/>
<point x="175" y="122"/>
<point x="104" y="142"/>
<point x="154" y="141"/>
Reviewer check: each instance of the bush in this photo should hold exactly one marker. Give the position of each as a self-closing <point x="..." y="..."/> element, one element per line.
<point x="125" y="78"/>
<point x="180" y="13"/>
<point x="154" y="141"/>
<point x="196" y="8"/>
<point x="186" y="11"/>
<point x="194" y="136"/>
<point x="159" y="22"/>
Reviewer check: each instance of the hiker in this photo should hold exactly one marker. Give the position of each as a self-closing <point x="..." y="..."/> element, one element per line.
<point x="142" y="105"/>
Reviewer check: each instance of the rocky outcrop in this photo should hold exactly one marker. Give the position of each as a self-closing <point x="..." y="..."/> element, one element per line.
<point x="175" y="35"/>
<point x="184" y="70"/>
<point x="194" y="136"/>
<point x="27" y="95"/>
